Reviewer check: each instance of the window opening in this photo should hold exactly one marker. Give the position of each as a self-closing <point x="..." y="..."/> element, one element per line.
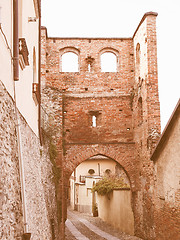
<point x="70" y="62"/>
<point x="108" y="171"/>
<point x="34" y="66"/>
<point x="89" y="61"/>
<point x="108" y="62"/>
<point x="138" y="60"/>
<point x="140" y="111"/>
<point x="94" y="121"/>
<point x="94" y="116"/>
<point x="89" y="67"/>
<point x="91" y="171"/>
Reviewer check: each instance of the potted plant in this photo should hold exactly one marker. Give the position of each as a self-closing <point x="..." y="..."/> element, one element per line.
<point x="95" y="210"/>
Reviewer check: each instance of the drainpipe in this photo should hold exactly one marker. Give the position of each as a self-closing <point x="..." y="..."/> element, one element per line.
<point x="21" y="168"/>
<point x="16" y="78"/>
<point x="15" y="41"/>
<point x="39" y="74"/>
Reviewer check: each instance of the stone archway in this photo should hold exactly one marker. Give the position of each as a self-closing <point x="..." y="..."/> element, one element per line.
<point x="121" y="153"/>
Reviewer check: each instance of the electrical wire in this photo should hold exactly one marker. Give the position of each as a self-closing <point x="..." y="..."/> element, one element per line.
<point x="6" y="41"/>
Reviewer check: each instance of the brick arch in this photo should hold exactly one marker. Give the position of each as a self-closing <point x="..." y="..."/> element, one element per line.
<point x="116" y="153"/>
<point x="69" y="49"/>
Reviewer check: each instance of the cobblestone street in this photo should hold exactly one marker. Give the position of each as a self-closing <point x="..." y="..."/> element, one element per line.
<point x="83" y="226"/>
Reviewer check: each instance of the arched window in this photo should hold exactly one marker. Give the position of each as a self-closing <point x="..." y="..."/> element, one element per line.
<point x="70" y="62"/>
<point x="140" y="111"/>
<point x="108" y="62"/>
<point x="138" y="59"/>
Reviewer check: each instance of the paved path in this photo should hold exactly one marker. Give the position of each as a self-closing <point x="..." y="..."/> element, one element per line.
<point x="82" y="226"/>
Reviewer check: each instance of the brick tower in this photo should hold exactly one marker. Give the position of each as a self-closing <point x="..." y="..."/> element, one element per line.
<point x="116" y="114"/>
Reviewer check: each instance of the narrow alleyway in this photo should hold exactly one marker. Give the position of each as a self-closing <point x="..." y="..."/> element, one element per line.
<point x="82" y="226"/>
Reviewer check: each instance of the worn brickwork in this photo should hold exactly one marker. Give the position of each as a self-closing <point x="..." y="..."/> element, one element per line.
<point x="146" y="122"/>
<point x="125" y="104"/>
<point x="39" y="186"/>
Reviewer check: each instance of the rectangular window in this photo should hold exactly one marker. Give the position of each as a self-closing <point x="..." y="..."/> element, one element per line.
<point x="94" y="117"/>
<point x="89" y="67"/>
<point x="94" y="121"/>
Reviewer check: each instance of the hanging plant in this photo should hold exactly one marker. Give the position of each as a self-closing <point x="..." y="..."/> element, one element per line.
<point x="107" y="184"/>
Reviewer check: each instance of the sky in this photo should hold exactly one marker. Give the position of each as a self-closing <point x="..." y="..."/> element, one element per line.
<point x="120" y="18"/>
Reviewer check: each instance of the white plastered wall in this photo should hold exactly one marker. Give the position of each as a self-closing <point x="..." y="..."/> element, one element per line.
<point x="6" y="50"/>
<point x="25" y="102"/>
<point x="141" y="38"/>
<point x="167" y="167"/>
<point x="29" y="30"/>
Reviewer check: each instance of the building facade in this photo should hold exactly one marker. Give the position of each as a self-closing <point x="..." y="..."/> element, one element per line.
<point x="28" y="206"/>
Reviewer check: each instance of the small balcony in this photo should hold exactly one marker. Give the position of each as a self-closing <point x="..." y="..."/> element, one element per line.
<point x="36" y="92"/>
<point x="23" y="53"/>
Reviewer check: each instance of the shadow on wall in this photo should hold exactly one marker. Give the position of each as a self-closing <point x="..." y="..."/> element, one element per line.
<point x="116" y="210"/>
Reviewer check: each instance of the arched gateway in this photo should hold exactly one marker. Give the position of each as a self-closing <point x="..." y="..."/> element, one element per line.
<point x="92" y="112"/>
<point x="117" y="153"/>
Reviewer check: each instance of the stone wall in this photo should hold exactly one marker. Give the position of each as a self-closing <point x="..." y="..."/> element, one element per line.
<point x="39" y="186"/>
<point x="11" y="221"/>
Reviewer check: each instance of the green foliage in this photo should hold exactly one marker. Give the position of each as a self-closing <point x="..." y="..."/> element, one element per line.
<point x="52" y="150"/>
<point x="108" y="183"/>
<point x="48" y="136"/>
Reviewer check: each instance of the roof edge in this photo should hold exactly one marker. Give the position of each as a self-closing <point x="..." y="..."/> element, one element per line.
<point x="167" y="128"/>
<point x="90" y="38"/>
<point x="142" y="20"/>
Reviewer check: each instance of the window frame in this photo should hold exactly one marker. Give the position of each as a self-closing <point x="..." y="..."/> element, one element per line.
<point x="113" y="51"/>
<point x="68" y="50"/>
